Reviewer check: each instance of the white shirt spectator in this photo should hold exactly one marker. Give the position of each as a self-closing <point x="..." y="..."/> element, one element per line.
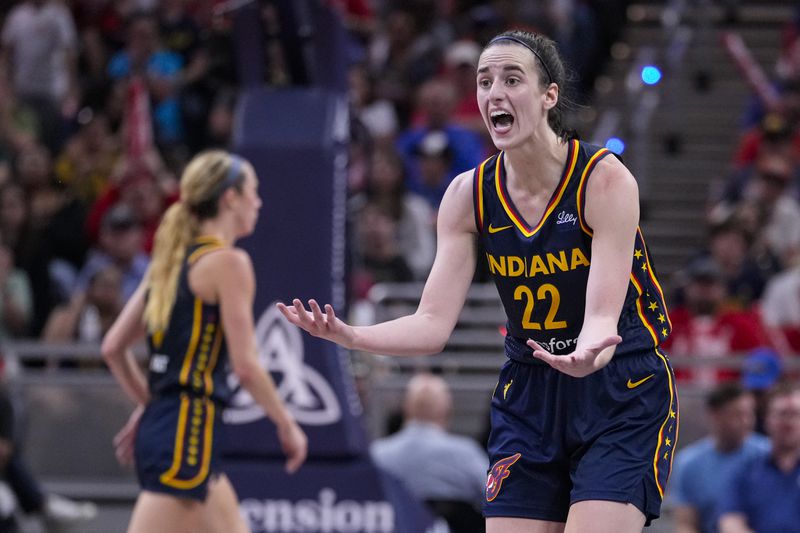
<point x="780" y="305"/>
<point x="39" y="39"/>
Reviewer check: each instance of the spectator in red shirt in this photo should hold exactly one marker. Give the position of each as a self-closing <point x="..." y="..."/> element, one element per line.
<point x="705" y="327"/>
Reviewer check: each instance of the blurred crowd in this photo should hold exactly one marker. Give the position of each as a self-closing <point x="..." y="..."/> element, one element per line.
<point x="102" y="102"/>
<point x="99" y="113"/>
<point x="740" y="294"/>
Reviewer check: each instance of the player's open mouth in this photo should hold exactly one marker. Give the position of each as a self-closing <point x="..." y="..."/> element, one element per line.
<point x="502" y="121"/>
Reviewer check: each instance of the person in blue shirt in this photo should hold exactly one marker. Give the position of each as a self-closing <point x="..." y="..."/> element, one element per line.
<point x="433" y="463"/>
<point x="161" y="69"/>
<point x="706" y="465"/>
<point x="764" y="493"/>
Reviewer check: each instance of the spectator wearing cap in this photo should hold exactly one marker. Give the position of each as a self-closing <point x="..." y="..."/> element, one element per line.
<point x="704" y="327"/>
<point x="764" y="493"/>
<point x="435" y="103"/>
<point x="761" y="370"/>
<point x="702" y="468"/>
<point x="120" y="244"/>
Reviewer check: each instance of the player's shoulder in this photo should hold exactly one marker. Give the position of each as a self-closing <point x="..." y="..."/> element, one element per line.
<point x="228" y="259"/>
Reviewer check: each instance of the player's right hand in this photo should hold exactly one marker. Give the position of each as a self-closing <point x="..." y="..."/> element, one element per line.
<point x="294" y="444"/>
<point x="324" y="325"/>
<point x="125" y="439"/>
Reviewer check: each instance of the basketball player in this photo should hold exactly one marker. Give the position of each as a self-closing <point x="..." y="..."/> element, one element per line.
<point x="195" y="306"/>
<point x="584" y="419"/>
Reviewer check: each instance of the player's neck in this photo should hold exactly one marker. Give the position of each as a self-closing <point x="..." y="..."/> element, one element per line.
<point x="538" y="163"/>
<point x="219" y="229"/>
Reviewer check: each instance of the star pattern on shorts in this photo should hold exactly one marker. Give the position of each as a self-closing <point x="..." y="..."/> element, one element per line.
<point x="653" y="306"/>
<point x="661" y="318"/>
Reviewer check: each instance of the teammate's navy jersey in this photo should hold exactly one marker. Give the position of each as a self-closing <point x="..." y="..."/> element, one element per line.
<point x="191" y="355"/>
<point x="541" y="268"/>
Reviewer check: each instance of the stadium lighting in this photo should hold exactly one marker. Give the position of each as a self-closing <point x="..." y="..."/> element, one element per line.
<point x="651" y="75"/>
<point x="616" y="145"/>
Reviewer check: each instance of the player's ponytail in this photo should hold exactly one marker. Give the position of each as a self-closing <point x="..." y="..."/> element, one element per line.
<point x="176" y="231"/>
<point x="206" y="177"/>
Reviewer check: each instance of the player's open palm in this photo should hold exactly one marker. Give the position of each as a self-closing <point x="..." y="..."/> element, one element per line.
<point x="324" y="325"/>
<point x="579" y="363"/>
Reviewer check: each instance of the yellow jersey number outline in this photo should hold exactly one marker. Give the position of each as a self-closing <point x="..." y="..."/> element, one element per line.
<point x="545" y="290"/>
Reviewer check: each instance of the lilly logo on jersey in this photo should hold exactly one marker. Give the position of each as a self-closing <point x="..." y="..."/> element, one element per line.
<point x="566" y="218"/>
<point x="499" y="472"/>
<point x="307" y="394"/>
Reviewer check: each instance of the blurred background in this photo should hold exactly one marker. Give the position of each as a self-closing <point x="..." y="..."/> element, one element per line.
<point x="103" y="102"/>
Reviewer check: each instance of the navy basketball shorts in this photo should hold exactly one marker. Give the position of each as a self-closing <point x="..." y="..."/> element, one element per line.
<point x="175" y="446"/>
<point x="557" y="440"/>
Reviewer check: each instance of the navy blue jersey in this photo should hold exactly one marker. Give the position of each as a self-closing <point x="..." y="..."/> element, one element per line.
<point x="191" y="355"/>
<point x="541" y="268"/>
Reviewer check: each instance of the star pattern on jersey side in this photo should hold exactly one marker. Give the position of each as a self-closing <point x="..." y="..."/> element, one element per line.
<point x="637" y="254"/>
<point x="664" y="332"/>
<point x="653" y="306"/>
<point x="644" y="267"/>
<point x="661" y="318"/>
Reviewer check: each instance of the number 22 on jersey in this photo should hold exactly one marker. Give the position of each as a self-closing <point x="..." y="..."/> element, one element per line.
<point x="547" y="291"/>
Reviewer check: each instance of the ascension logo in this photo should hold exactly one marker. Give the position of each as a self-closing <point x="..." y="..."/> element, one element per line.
<point x="306" y="392"/>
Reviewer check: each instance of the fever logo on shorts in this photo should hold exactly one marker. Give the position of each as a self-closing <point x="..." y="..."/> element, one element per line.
<point x="498" y="473"/>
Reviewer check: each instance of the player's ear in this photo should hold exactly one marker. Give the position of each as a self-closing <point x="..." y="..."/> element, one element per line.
<point x="551" y="96"/>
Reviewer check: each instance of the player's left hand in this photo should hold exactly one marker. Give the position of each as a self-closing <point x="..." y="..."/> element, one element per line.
<point x="579" y="363"/>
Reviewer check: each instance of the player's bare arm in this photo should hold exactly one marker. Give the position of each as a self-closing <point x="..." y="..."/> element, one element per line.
<point x="427" y="330"/>
<point x="612" y="212"/>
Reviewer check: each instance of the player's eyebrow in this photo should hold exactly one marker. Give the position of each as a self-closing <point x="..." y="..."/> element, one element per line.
<point x="506" y="68"/>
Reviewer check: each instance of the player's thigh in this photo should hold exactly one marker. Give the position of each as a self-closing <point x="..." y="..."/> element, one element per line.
<point x="221" y="510"/>
<point x="502" y="524"/>
<point x="599" y="516"/>
<point x="165" y="514"/>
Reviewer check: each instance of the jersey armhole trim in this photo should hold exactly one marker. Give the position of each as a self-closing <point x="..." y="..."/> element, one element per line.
<point x="477" y="195"/>
<point x="581" y="200"/>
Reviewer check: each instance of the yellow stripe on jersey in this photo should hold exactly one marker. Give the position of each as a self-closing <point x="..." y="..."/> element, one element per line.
<point x="207" y="375"/>
<point x="479" y="200"/>
<point x="653" y="278"/>
<point x="586" y="171"/>
<point x="190" y="351"/>
<point x="168" y="478"/>
<point x="640" y="311"/>
<point x="672" y="413"/>
<point x="203" y="250"/>
<point x="208" y="239"/>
